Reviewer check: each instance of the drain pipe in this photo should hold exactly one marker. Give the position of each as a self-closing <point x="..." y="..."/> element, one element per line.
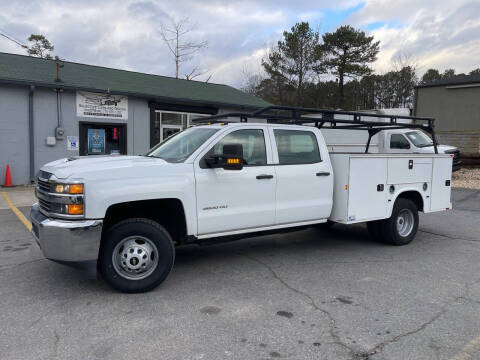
<point x="31" y="133"/>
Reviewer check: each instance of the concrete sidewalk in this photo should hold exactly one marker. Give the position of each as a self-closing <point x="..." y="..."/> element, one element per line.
<point x="19" y="195"/>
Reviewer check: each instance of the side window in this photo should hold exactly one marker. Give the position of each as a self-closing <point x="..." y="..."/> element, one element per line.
<point x="297" y="147"/>
<point x="398" y="141"/>
<point x="253" y="142"/>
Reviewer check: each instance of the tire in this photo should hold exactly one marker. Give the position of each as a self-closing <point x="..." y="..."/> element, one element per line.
<point x="136" y="255"/>
<point x="374" y="229"/>
<point x="401" y="227"/>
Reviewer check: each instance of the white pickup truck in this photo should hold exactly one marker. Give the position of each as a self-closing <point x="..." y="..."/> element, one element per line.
<point x="405" y="141"/>
<point x="124" y="215"/>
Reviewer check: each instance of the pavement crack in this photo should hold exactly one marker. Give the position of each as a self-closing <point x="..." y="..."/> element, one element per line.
<point x="12" y="266"/>
<point x="379" y="348"/>
<point x="310" y="301"/>
<point x="449" y="237"/>
<point x="464" y="295"/>
<point x="57" y="340"/>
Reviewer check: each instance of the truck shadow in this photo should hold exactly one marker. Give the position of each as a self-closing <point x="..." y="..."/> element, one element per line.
<point x="337" y="240"/>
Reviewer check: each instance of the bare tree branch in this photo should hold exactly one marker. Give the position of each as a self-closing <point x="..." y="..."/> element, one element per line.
<point x="196" y="72"/>
<point x="182" y="50"/>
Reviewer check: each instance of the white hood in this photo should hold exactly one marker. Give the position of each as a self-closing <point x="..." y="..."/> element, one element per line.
<point x="81" y="165"/>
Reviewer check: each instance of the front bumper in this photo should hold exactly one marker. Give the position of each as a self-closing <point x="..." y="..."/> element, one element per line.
<point x="67" y="241"/>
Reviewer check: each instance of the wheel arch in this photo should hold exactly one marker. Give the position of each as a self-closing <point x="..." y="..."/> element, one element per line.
<point x="169" y="213"/>
<point x="413" y="195"/>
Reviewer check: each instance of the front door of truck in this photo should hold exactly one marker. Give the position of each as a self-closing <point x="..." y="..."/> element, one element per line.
<point x="229" y="200"/>
<point x="398" y="144"/>
<point x="304" y="176"/>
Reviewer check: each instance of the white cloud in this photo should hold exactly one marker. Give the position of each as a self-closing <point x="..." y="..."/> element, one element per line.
<point x="438" y="34"/>
<point x="125" y="34"/>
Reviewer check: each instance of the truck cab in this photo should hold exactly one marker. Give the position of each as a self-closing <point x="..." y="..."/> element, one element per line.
<point x="412" y="141"/>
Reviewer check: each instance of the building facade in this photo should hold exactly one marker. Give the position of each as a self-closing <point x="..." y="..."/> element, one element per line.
<point x="455" y="104"/>
<point x="51" y="110"/>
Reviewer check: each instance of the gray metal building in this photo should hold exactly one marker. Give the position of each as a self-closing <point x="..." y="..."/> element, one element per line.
<point x="455" y="104"/>
<point x="50" y="110"/>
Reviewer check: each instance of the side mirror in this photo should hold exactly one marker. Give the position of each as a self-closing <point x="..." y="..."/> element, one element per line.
<point x="230" y="159"/>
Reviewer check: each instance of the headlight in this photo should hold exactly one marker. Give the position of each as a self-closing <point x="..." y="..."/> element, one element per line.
<point x="61" y="199"/>
<point x="69" y="188"/>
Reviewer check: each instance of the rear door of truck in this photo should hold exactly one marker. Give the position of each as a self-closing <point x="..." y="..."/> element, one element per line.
<point x="304" y="175"/>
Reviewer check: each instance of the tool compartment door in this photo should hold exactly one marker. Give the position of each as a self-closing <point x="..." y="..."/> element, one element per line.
<point x="441" y="189"/>
<point x="408" y="170"/>
<point x="367" y="189"/>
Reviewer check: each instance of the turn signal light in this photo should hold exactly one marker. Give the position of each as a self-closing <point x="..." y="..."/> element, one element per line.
<point x="76" y="189"/>
<point x="232" y="161"/>
<point x="75" y="209"/>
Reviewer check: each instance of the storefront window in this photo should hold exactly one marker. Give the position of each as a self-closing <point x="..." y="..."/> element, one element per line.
<point x="167" y="123"/>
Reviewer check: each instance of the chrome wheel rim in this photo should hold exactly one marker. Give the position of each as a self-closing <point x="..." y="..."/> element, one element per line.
<point x="135" y="258"/>
<point x="405" y="222"/>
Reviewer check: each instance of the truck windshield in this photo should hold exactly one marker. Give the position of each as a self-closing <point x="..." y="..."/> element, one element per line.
<point x="419" y="139"/>
<point x="179" y="147"/>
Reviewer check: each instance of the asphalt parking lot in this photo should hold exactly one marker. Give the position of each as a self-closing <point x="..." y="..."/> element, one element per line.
<point x="312" y="294"/>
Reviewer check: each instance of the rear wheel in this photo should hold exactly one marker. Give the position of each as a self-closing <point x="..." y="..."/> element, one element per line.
<point x="402" y="226"/>
<point x="136" y="256"/>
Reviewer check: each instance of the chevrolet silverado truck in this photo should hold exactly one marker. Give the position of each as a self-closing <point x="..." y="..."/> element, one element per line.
<point x="124" y="216"/>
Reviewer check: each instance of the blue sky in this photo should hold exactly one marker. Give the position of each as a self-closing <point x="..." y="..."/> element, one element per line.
<point x="126" y="34"/>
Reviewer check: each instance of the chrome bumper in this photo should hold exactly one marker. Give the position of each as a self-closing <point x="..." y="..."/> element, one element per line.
<point x="66" y="241"/>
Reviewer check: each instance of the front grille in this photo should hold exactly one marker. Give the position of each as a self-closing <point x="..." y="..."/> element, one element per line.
<point x="45" y="205"/>
<point x="456" y="154"/>
<point x="43" y="185"/>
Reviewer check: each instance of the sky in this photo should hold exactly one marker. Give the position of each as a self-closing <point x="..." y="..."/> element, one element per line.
<point x="126" y="34"/>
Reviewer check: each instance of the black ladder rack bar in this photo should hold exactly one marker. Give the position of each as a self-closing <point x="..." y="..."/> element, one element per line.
<point x="293" y="115"/>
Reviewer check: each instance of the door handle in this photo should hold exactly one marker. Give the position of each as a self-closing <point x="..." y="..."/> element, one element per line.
<point x="323" y="173"/>
<point x="264" y="176"/>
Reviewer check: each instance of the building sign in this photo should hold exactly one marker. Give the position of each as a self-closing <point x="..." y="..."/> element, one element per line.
<point x="72" y="143"/>
<point x="96" y="141"/>
<point x="102" y="105"/>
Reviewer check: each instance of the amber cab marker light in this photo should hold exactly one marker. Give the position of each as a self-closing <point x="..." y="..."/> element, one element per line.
<point x="233" y="161"/>
<point x="75" y="209"/>
<point x="76" y="188"/>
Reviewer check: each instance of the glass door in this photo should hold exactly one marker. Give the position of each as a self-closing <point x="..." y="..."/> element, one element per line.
<point x="169" y="130"/>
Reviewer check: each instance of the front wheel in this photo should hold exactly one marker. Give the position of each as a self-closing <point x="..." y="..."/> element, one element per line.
<point x="136" y="255"/>
<point x="402" y="226"/>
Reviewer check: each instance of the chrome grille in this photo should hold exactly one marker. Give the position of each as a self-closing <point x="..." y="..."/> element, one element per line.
<point x="44" y="205"/>
<point x="43" y="185"/>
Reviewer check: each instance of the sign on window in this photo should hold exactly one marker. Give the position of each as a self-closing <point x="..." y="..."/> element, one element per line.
<point x="96" y="141"/>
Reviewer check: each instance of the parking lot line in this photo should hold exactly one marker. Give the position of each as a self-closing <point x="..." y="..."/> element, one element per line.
<point x="17" y="212"/>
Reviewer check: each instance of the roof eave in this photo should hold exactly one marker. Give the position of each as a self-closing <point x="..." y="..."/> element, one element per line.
<point x="447" y="84"/>
<point x="61" y="85"/>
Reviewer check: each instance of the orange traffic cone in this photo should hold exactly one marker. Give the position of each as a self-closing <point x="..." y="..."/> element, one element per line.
<point x="8" y="177"/>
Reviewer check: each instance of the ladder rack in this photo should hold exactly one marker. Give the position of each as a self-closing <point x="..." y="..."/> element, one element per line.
<point x="323" y="118"/>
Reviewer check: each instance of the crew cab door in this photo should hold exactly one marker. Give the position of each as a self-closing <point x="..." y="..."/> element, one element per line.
<point x="304" y="175"/>
<point x="229" y="200"/>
